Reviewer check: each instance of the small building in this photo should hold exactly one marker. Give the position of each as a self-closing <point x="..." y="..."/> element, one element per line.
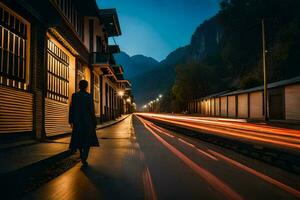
<point x="283" y="102"/>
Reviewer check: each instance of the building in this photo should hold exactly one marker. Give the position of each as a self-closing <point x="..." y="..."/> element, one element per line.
<point x="283" y="102"/>
<point x="46" y="48"/>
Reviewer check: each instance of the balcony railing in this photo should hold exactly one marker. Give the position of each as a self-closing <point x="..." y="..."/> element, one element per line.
<point x="98" y="58"/>
<point x="113" y="49"/>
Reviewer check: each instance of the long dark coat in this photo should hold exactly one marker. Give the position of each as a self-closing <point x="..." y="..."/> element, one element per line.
<point x="82" y="116"/>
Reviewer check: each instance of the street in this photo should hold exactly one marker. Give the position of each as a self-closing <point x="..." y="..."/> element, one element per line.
<point x="140" y="160"/>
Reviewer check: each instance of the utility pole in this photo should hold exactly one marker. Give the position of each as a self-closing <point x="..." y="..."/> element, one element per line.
<point x="264" y="70"/>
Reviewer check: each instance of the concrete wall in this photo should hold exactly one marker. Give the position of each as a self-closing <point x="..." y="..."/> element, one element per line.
<point x="256" y="105"/>
<point x="231" y="106"/>
<point x="292" y="102"/>
<point x="212" y="107"/>
<point x="217" y="102"/>
<point x="243" y="105"/>
<point x="223" y="106"/>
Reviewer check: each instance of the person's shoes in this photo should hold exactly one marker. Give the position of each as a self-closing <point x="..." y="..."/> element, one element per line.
<point x="84" y="163"/>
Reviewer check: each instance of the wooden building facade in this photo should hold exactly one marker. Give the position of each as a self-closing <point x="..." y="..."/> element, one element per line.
<point x="46" y="48"/>
<point x="283" y="102"/>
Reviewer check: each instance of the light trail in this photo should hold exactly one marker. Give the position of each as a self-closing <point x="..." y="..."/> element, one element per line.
<point x="237" y="125"/>
<point x="253" y="134"/>
<point x="181" y="140"/>
<point x="215" y="155"/>
<point x="258" y="174"/>
<point x="211" y="179"/>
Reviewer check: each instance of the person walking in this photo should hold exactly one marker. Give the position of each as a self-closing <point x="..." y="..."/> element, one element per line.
<point x="83" y="122"/>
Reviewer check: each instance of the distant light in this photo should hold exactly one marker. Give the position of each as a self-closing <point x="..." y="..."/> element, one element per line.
<point x="160" y="96"/>
<point x="128" y="100"/>
<point x="121" y="93"/>
<point x="157" y="99"/>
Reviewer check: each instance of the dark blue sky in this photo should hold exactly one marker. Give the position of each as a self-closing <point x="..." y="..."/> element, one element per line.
<point x="157" y="27"/>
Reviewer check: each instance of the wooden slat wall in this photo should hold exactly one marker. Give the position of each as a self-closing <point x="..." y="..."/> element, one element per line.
<point x="231" y="106"/>
<point x="202" y="108"/>
<point x="292" y="102"/>
<point x="57" y="117"/>
<point x="16" y="110"/>
<point x="243" y="106"/>
<point x="224" y="106"/>
<point x="199" y="106"/>
<point x="256" y="105"/>
<point x="212" y="107"/>
<point x="207" y="107"/>
<point x="217" y="102"/>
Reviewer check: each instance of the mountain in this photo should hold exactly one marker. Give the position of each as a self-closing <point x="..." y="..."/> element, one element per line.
<point x="136" y="65"/>
<point x="147" y="86"/>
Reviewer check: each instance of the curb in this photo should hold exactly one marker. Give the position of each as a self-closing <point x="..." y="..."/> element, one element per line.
<point x="115" y="122"/>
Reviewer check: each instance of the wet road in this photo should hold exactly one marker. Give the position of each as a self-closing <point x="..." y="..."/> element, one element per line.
<point x="139" y="160"/>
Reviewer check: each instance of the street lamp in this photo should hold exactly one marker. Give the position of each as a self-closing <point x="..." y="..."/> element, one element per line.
<point x="160" y="96"/>
<point x="121" y="93"/>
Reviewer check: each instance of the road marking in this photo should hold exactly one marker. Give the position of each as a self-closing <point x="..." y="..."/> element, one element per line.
<point x="150" y="193"/>
<point x="163" y="132"/>
<point x="187" y="143"/>
<point x="211" y="179"/>
<point x="207" y="154"/>
<point x="258" y="174"/>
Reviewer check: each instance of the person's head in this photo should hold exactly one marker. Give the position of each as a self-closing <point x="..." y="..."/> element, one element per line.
<point x="83" y="84"/>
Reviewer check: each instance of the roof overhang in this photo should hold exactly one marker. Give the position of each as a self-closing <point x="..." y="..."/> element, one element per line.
<point x="110" y="20"/>
<point x="88" y="7"/>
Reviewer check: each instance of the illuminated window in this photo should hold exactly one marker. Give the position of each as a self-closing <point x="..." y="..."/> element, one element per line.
<point x="96" y="94"/>
<point x="57" y="73"/>
<point x="79" y="74"/>
<point x="13" y="43"/>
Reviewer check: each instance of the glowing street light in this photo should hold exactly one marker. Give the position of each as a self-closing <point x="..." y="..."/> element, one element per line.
<point x="121" y="93"/>
<point x="160" y="96"/>
<point x="128" y="100"/>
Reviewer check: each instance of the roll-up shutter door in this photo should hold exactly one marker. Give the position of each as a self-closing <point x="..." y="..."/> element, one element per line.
<point x="57" y="118"/>
<point x="16" y="110"/>
<point x="231" y="106"/>
<point x="292" y="102"/>
<point x="256" y="105"/>
<point x="243" y="106"/>
<point x="224" y="106"/>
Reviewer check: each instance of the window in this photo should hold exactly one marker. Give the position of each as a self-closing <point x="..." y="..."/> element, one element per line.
<point x="57" y="73"/>
<point x="13" y="43"/>
<point x="71" y="14"/>
<point x="96" y="94"/>
<point x="79" y="74"/>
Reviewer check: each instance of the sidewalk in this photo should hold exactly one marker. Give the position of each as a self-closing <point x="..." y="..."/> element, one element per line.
<point x="29" y="154"/>
<point x="116" y="170"/>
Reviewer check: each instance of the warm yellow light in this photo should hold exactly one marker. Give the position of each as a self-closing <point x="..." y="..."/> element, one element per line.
<point x="121" y="93"/>
<point x="128" y="100"/>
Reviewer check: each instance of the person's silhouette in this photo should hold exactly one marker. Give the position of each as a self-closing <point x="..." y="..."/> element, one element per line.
<point x="83" y="121"/>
